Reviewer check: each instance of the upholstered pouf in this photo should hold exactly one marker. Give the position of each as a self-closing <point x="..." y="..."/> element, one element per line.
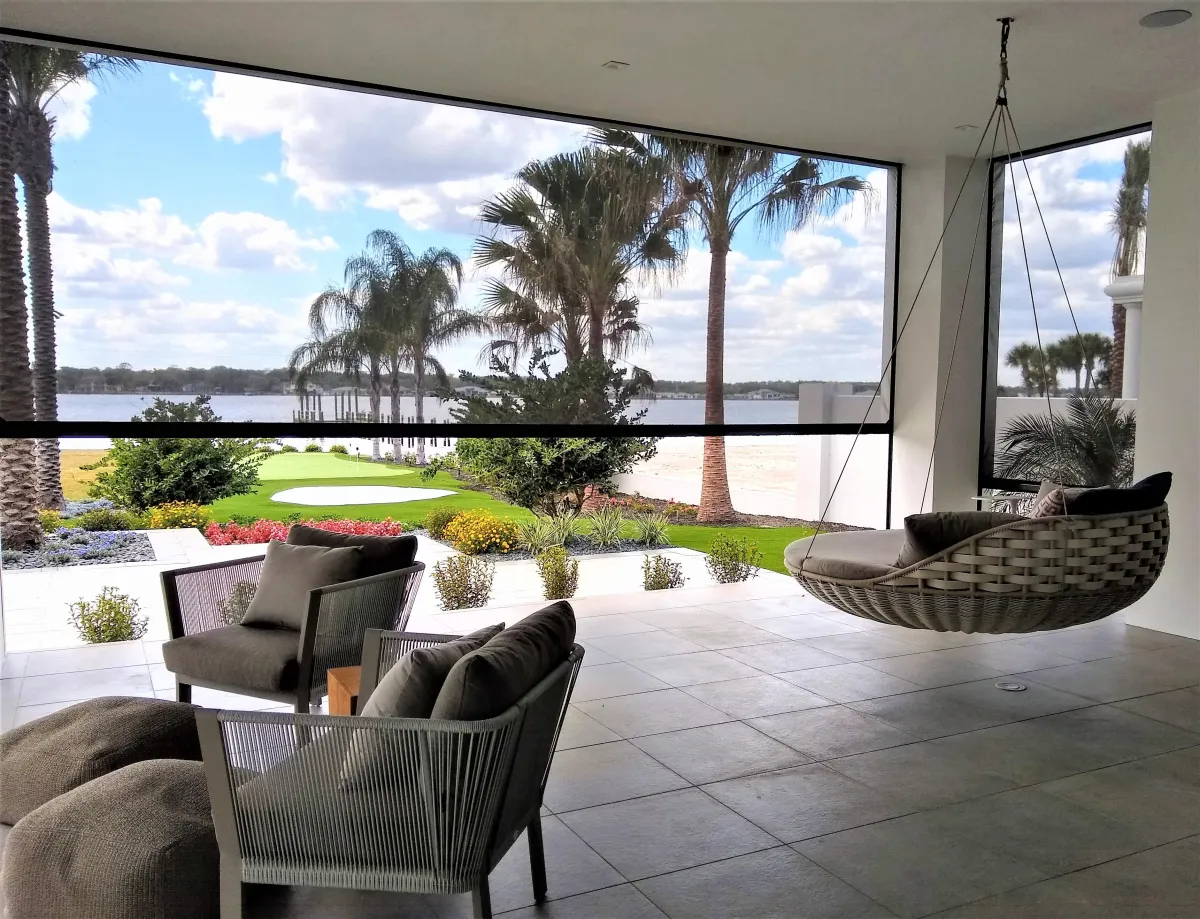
<point x="50" y="756"/>
<point x="137" y="843"/>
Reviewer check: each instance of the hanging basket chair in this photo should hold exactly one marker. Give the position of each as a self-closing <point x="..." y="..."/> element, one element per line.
<point x="1032" y="575"/>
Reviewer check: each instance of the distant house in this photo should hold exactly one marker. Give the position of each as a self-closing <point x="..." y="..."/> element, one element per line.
<point x="472" y="390"/>
<point x="764" y="395"/>
<point x="194" y="389"/>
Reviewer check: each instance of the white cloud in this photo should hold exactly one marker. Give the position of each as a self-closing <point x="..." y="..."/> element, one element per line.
<point x="430" y="164"/>
<point x="250" y="242"/>
<point x="71" y="110"/>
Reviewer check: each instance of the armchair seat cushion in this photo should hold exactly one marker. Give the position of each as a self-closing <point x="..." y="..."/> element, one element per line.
<point x="85" y="741"/>
<point x="245" y="656"/>
<point x="381" y="554"/>
<point x="137" y="843"/>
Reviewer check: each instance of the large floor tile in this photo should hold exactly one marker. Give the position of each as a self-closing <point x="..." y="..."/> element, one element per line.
<point x="756" y="697"/>
<point x="589" y="776"/>
<point x="931" y="669"/>
<point x="667" y="832"/>
<point x="804" y="625"/>
<point x="92" y="657"/>
<point x="602" y="626"/>
<point x="651" y="712"/>
<point x="782" y="656"/>
<point x="690" y="669"/>
<point x="645" y="644"/>
<point x="729" y="635"/>
<point x="1180" y="707"/>
<point x="861" y="646"/>
<point x="719" y="751"/>
<point x="753" y="610"/>
<point x="624" y="902"/>
<point x="775" y="884"/>
<point x="914" y="868"/>
<point x="805" y="801"/>
<point x="824" y="733"/>
<point x="1050" y="833"/>
<point x="608" y="680"/>
<point x="86" y="684"/>
<point x="849" y="682"/>
<point x="580" y="730"/>
<point x="593" y="656"/>
<point x="1013" y="656"/>
<point x="689" y="617"/>
<point x="1117" y="678"/>
<point x="924" y="775"/>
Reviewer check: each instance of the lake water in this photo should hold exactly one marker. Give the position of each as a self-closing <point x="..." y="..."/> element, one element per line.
<point x="123" y="406"/>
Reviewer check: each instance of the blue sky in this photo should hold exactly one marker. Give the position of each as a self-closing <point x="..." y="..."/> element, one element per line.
<point x="196" y="215"/>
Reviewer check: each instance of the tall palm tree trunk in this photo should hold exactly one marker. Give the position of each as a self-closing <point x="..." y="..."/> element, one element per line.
<point x="1116" y="360"/>
<point x="716" y="505"/>
<point x="376" y="399"/>
<point x="45" y="360"/>
<point x="19" y="527"/>
<point x="397" y="417"/>
<point x="419" y="395"/>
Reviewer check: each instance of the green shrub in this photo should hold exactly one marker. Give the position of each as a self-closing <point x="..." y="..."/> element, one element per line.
<point x="732" y="559"/>
<point x="112" y="616"/>
<point x="101" y="519"/>
<point x="676" y="509"/>
<point x="312" y="448"/>
<point x="639" y="505"/>
<point x="437" y="520"/>
<point x="10" y="556"/>
<point x="178" y="515"/>
<point x="538" y="534"/>
<point x="659" y="573"/>
<point x="650" y="529"/>
<point x="233" y="608"/>
<point x="606" y="525"/>
<point x="476" y="531"/>
<point x="339" y="448"/>
<point x="410" y="458"/>
<point x="566" y="529"/>
<point x="463" y="582"/>
<point x="559" y="573"/>
<point x="59" y="558"/>
<point x="244" y="520"/>
<point x="50" y="520"/>
<point x="288" y="448"/>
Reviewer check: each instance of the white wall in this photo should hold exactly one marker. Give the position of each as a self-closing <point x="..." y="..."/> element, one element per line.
<point x="1168" y="434"/>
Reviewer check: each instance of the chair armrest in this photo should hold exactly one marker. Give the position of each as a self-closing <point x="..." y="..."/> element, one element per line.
<point x="197" y="598"/>
<point x="382" y="649"/>
<point x="339" y="615"/>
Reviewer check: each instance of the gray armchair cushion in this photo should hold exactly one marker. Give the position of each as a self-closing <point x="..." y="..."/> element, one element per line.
<point x="137" y="843"/>
<point x="381" y="554"/>
<point x="238" y="655"/>
<point x="487" y="681"/>
<point x="925" y="535"/>
<point x="289" y="573"/>
<point x="46" y="758"/>
<point x="852" y="555"/>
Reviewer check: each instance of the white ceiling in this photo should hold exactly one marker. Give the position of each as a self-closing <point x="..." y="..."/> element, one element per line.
<point x="874" y="80"/>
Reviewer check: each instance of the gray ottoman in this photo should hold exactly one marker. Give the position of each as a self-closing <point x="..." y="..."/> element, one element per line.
<point x="50" y="756"/>
<point x="137" y="843"/>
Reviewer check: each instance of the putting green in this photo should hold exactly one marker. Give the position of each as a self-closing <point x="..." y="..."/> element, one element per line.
<point x="292" y="466"/>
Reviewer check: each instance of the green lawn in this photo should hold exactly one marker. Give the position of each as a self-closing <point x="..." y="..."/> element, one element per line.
<point x="292" y="466"/>
<point x="771" y="540"/>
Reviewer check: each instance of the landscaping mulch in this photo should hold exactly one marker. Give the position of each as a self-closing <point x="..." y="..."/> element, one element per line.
<point x="68" y="547"/>
<point x="741" y="520"/>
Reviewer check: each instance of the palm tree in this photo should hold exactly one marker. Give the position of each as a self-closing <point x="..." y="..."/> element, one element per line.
<point x="37" y="74"/>
<point x="1067" y="354"/>
<point x="1039" y="372"/>
<point x="1128" y="221"/>
<point x="1097" y="356"/>
<point x="422" y="312"/>
<point x="570" y="238"/>
<point x="1091" y="444"/>
<point x="19" y="527"/>
<point x="722" y="185"/>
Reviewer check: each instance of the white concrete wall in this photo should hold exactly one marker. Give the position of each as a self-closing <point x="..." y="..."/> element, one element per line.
<point x="1168" y="435"/>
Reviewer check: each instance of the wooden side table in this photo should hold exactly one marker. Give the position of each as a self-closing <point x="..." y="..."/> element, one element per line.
<point x="343" y="690"/>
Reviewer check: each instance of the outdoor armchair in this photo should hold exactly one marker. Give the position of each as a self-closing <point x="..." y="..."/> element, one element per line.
<point x="282" y="664"/>
<point x="390" y="804"/>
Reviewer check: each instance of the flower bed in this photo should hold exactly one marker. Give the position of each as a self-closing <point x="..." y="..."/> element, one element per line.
<point x="236" y="534"/>
<point x="68" y="546"/>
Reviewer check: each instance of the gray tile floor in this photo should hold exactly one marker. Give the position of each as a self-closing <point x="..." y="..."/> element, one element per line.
<point x="775" y="758"/>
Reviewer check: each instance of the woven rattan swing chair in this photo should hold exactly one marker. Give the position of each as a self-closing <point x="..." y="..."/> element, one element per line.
<point x="1029" y="575"/>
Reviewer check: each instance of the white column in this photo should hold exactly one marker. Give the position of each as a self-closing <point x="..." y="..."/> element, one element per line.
<point x="1168" y="410"/>
<point x="926" y="377"/>
<point x="1126" y="292"/>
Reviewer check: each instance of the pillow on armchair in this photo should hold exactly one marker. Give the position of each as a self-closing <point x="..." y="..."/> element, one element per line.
<point x="381" y="554"/>
<point x="289" y="573"/>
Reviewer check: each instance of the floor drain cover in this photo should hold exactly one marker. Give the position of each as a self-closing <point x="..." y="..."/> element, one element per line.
<point x="1011" y="687"/>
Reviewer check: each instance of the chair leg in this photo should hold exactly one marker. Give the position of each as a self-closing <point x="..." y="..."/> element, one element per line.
<point x="481" y="901"/>
<point x="231" y="889"/>
<point x="537" y="858"/>
<point x="183" y="691"/>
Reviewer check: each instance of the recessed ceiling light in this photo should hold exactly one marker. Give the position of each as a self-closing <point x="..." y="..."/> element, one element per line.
<point x="614" y="65"/>
<point x="1164" y="19"/>
<point x="966" y="127"/>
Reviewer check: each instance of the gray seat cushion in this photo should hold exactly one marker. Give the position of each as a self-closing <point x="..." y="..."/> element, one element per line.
<point x="487" y="681"/>
<point x="87" y="740"/>
<point x="925" y="535"/>
<point x="381" y="554"/>
<point x="289" y="573"/>
<point x="238" y="655"/>
<point x="853" y="555"/>
<point x="137" y="843"/>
